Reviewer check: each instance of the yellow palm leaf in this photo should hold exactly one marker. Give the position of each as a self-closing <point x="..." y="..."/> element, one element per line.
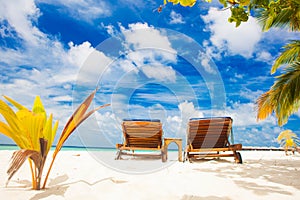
<point x="174" y="1"/>
<point x="38" y="107"/>
<point x="74" y="121"/>
<point x="187" y="2"/>
<point x="287" y="138"/>
<point x="49" y="132"/>
<point x="10" y="116"/>
<point x="16" y="104"/>
<point x="18" y="133"/>
<point x="29" y="123"/>
<point x="4" y="128"/>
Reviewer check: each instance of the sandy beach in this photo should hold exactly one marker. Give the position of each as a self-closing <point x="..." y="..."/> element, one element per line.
<point x="80" y="175"/>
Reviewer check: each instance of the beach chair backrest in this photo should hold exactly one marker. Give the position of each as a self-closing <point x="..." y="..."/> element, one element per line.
<point x="142" y="133"/>
<point x="209" y="132"/>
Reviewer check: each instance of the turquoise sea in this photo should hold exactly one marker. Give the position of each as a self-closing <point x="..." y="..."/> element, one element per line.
<point x="67" y="148"/>
<point x="64" y="148"/>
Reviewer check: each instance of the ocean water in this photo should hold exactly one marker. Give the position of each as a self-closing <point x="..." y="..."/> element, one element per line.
<point x="64" y="148"/>
<point x="69" y="148"/>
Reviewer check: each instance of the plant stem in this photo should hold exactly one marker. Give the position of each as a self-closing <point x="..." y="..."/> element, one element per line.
<point x="50" y="167"/>
<point x="32" y="175"/>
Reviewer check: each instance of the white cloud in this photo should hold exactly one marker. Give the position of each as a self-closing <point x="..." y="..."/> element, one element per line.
<point x="63" y="98"/>
<point x="90" y="62"/>
<point x="160" y="73"/>
<point x="142" y="36"/>
<point x="188" y="110"/>
<point x="20" y="14"/>
<point x="176" y="18"/>
<point x="249" y="94"/>
<point x="244" y="115"/>
<point x="87" y="10"/>
<point x="78" y="53"/>
<point x="264" y="56"/>
<point x="226" y="37"/>
<point x="146" y="50"/>
<point x="206" y="64"/>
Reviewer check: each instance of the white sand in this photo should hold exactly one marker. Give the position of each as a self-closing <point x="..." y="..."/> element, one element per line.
<point x="78" y="175"/>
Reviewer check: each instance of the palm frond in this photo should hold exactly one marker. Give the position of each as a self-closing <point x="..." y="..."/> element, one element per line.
<point x="282" y="14"/>
<point x="49" y="132"/>
<point x="18" y="158"/>
<point x="38" y="107"/>
<point x="290" y="54"/>
<point x="287" y="138"/>
<point x="16" y="128"/>
<point x="16" y="104"/>
<point x="264" y="106"/>
<point x="282" y="98"/>
<point x="75" y="120"/>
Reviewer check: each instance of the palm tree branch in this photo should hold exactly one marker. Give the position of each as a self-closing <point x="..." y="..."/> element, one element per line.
<point x="290" y="54"/>
<point x="283" y="97"/>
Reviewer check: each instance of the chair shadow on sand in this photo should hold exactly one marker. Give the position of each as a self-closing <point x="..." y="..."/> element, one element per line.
<point x="275" y="171"/>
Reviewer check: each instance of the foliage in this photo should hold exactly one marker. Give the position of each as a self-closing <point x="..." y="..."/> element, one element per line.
<point x="283" y="97"/>
<point x="34" y="133"/>
<point x="271" y="13"/>
<point x="290" y="54"/>
<point x="181" y="2"/>
<point x="287" y="139"/>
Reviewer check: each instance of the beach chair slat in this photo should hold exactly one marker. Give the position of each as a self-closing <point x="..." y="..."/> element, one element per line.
<point x="141" y="135"/>
<point x="206" y="134"/>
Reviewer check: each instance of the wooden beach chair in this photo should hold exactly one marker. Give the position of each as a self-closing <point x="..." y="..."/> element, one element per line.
<point x="209" y="137"/>
<point x="141" y="135"/>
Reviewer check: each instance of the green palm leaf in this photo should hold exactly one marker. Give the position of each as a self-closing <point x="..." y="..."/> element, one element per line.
<point x="290" y="54"/>
<point x="282" y="14"/>
<point x="283" y="98"/>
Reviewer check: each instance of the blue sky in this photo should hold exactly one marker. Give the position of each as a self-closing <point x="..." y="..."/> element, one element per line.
<point x="173" y="65"/>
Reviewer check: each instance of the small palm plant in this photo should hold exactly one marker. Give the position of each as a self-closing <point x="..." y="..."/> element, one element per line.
<point x="34" y="133"/>
<point x="288" y="140"/>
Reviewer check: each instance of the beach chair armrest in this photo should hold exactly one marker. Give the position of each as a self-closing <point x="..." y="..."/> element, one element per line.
<point x="118" y="146"/>
<point x="236" y="146"/>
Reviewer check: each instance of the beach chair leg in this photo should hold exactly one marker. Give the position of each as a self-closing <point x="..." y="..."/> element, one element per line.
<point x="238" y="157"/>
<point x="118" y="156"/>
<point x="184" y="156"/>
<point x="164" y="156"/>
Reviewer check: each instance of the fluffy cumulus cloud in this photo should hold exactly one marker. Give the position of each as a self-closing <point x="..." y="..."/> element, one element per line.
<point x="141" y="35"/>
<point x="147" y="49"/>
<point x="188" y="110"/>
<point x="90" y="62"/>
<point x="226" y="37"/>
<point x="176" y="18"/>
<point x="19" y="15"/>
